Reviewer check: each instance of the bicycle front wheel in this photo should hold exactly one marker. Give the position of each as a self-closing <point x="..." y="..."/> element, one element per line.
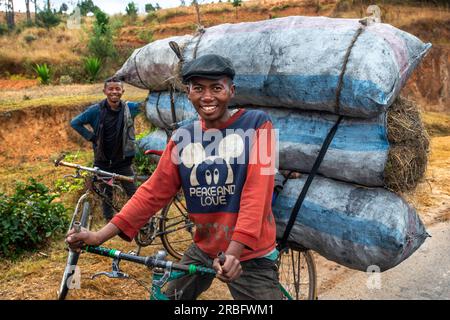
<point x="69" y="280"/>
<point x="297" y="275"/>
<point x="177" y="231"/>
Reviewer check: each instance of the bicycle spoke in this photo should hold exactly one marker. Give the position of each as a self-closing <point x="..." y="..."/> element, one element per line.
<point x="295" y="271"/>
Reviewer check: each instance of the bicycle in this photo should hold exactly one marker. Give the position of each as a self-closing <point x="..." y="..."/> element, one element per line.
<point x="296" y="266"/>
<point x="163" y="270"/>
<point x="94" y="179"/>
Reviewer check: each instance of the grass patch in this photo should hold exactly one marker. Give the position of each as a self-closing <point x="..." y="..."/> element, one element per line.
<point x="164" y="15"/>
<point x="437" y="123"/>
<point x="189" y="26"/>
<point x="61" y="96"/>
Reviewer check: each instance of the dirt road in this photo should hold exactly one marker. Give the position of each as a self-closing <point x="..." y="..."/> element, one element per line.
<point x="424" y="275"/>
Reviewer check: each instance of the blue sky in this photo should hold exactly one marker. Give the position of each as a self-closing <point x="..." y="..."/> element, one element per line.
<point x="109" y="6"/>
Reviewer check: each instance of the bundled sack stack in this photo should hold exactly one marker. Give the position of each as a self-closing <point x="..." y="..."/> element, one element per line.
<point x="306" y="72"/>
<point x="389" y="150"/>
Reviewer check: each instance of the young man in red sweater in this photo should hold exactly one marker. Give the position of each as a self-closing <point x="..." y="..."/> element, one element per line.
<point x="225" y="165"/>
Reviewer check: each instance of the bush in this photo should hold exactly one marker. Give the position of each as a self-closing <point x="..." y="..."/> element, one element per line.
<point x="47" y="19"/>
<point x="29" y="38"/>
<point x="43" y="73"/>
<point x="146" y="36"/>
<point x="3" y="29"/>
<point x="65" y="79"/>
<point x="92" y="66"/>
<point x="142" y="164"/>
<point x="29" y="218"/>
<point x="150" y="17"/>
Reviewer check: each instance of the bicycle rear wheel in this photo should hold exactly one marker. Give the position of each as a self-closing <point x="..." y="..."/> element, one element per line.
<point x="297" y="274"/>
<point x="67" y="281"/>
<point x="177" y="231"/>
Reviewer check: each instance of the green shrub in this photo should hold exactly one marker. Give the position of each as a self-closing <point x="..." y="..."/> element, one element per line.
<point x="3" y="29"/>
<point x="47" y="19"/>
<point x="65" y="185"/>
<point x="146" y="36"/>
<point x="43" y="72"/>
<point x="92" y="66"/>
<point x="29" y="218"/>
<point x="142" y="164"/>
<point x="65" y="79"/>
<point x="29" y="38"/>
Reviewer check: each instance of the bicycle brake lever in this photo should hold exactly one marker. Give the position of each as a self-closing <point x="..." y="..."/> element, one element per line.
<point x="116" y="273"/>
<point x="113" y="275"/>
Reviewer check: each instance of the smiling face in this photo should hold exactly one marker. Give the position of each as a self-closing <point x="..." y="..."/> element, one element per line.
<point x="211" y="98"/>
<point x="113" y="92"/>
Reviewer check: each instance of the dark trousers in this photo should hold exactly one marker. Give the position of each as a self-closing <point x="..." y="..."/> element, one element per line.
<point x="258" y="281"/>
<point x="129" y="187"/>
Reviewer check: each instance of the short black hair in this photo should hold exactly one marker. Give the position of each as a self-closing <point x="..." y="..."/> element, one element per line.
<point x="111" y="80"/>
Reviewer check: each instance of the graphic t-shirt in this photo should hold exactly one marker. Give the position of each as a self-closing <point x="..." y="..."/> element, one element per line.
<point x="227" y="178"/>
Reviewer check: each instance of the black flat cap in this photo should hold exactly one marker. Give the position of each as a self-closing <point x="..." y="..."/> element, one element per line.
<point x="210" y="66"/>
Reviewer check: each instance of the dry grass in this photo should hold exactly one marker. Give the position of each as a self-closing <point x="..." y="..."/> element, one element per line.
<point x="437" y="123"/>
<point x="409" y="146"/>
<point x="61" y="96"/>
<point x="56" y="47"/>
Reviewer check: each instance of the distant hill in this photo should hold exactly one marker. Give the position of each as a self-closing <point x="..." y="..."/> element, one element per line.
<point x="428" y="20"/>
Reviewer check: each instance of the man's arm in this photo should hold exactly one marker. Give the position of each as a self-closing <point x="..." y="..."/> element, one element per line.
<point x="136" y="107"/>
<point x="82" y="119"/>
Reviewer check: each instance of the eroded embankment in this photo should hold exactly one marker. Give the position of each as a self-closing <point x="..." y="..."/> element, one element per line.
<point x="35" y="134"/>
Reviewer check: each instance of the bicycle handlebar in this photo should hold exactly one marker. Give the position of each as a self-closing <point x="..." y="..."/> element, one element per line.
<point x="149" y="261"/>
<point x="99" y="172"/>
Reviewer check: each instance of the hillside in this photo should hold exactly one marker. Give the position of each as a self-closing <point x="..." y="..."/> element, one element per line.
<point x="429" y="85"/>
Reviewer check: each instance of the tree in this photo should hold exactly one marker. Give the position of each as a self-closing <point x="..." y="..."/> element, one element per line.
<point x="157" y="6"/>
<point x="64" y="7"/>
<point x="182" y="3"/>
<point x="48" y="5"/>
<point x="10" y="14"/>
<point x="131" y="10"/>
<point x="236" y="4"/>
<point x="47" y="18"/>
<point x="87" y="6"/>
<point x="35" y="11"/>
<point x="149" y="8"/>
<point x="27" y="5"/>
<point x="100" y="42"/>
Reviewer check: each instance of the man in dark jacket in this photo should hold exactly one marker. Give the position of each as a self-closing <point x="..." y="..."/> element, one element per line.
<point x="112" y="135"/>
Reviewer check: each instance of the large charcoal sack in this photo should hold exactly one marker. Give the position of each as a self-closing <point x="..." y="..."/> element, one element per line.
<point x="294" y="62"/>
<point x="358" y="152"/>
<point x="353" y="226"/>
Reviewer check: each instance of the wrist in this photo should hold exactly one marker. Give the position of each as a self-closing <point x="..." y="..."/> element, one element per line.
<point x="235" y="249"/>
